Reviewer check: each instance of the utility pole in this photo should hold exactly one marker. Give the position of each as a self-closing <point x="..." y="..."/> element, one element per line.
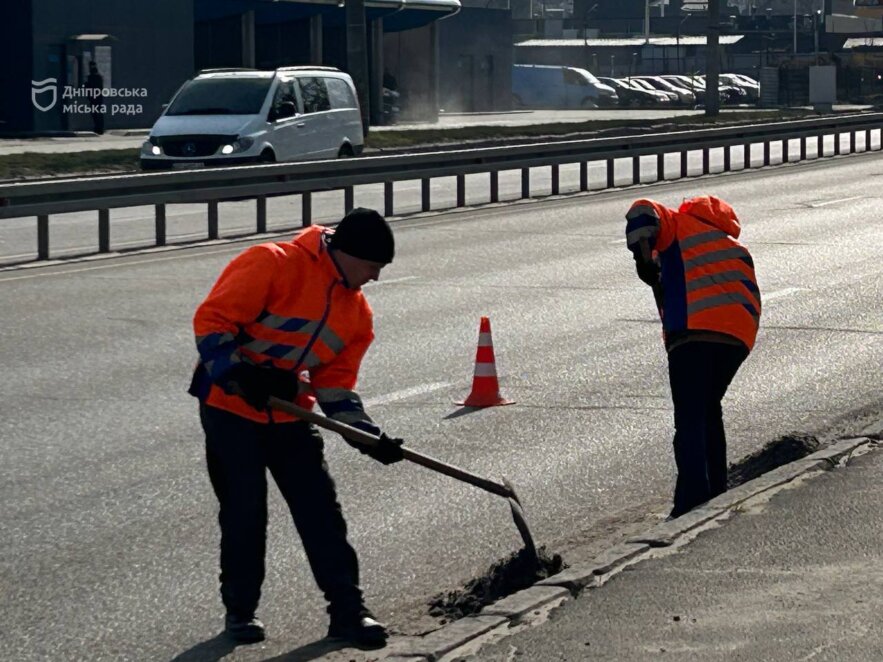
<point x="712" y="59"/>
<point x="357" y="55"/>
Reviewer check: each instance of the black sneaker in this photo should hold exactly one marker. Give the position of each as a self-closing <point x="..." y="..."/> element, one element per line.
<point x="244" y="629"/>
<point x="359" y="630"/>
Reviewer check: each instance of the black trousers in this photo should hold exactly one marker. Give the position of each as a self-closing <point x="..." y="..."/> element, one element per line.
<point x="699" y="374"/>
<point x="239" y="452"/>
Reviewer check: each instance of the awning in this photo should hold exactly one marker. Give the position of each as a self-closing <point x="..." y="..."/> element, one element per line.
<point x="397" y="14"/>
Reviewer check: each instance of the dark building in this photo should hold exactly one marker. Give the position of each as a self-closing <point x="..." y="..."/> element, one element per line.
<point x="143" y="50"/>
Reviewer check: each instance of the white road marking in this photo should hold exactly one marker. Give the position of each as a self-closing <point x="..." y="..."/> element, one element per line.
<point x="834" y="202"/>
<point x="389" y="282"/>
<point x="781" y="293"/>
<point x="405" y="393"/>
<point x="188" y="254"/>
<point x="618" y="241"/>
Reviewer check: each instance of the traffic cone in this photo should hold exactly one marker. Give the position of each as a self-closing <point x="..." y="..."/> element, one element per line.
<point x="485" y="387"/>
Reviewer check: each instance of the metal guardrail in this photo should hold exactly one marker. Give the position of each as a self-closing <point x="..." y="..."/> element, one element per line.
<point x="211" y="186"/>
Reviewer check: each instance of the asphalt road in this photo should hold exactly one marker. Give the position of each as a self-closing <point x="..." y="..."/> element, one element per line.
<point x="109" y="536"/>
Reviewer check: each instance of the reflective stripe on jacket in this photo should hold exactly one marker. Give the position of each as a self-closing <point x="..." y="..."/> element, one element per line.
<point x="285" y="304"/>
<point x="707" y="277"/>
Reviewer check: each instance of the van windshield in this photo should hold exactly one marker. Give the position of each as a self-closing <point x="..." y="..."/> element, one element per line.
<point x="221" y="96"/>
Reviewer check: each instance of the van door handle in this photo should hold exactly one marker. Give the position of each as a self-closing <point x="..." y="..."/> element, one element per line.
<point x="301" y="124"/>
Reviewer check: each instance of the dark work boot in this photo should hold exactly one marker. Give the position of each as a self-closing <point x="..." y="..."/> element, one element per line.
<point x="360" y="629"/>
<point x="244" y="629"/>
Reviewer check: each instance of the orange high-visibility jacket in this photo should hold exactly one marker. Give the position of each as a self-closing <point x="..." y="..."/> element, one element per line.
<point x="285" y="304"/>
<point x="707" y="277"/>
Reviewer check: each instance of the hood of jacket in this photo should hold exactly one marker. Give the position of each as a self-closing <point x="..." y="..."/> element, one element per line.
<point x="713" y="211"/>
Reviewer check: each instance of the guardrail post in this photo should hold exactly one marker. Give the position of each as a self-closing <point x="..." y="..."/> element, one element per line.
<point x="766" y="152"/>
<point x="306" y="208"/>
<point x="461" y="190"/>
<point x="684" y="163"/>
<point x="636" y="170"/>
<point x="348" y="200"/>
<point x="261" y="210"/>
<point x="706" y="160"/>
<point x="837" y="144"/>
<point x="727" y="158"/>
<point x="495" y="186"/>
<point x="610" y="173"/>
<point x="104" y="230"/>
<point x="746" y="156"/>
<point x="43" y="237"/>
<point x="425" y="201"/>
<point x="525" y="182"/>
<point x="583" y="176"/>
<point x="803" y="148"/>
<point x="160" y="223"/>
<point x="213" y="219"/>
<point x="388" y="199"/>
<point x="660" y="167"/>
<point x="556" y="182"/>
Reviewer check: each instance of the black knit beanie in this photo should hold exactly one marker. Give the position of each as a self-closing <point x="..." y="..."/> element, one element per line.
<point x="363" y="233"/>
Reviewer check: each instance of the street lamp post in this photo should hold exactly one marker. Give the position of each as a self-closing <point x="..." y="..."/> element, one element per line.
<point x="815" y="25"/>
<point x="678" y="42"/>
<point x="612" y="68"/>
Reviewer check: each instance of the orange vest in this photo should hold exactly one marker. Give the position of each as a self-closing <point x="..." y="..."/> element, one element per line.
<point x="707" y="277"/>
<point x="285" y="304"/>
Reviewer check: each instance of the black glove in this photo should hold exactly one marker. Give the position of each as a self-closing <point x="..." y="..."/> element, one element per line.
<point x="387" y="451"/>
<point x="647" y="272"/>
<point x="255" y="384"/>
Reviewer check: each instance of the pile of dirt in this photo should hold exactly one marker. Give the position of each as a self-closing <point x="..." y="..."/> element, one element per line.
<point x="509" y="575"/>
<point x="791" y="447"/>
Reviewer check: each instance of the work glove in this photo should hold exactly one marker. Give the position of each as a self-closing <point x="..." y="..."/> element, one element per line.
<point x="255" y="384"/>
<point x="647" y="272"/>
<point x="388" y="449"/>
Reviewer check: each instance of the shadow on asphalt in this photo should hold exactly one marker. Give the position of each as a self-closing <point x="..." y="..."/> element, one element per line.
<point x="209" y="650"/>
<point x="312" y="651"/>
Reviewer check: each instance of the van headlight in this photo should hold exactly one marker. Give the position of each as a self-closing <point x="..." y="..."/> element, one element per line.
<point x="149" y="149"/>
<point x="239" y="145"/>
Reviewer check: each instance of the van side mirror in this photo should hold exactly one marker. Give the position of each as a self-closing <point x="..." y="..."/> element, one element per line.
<point x="284" y="110"/>
<point x="164" y="106"/>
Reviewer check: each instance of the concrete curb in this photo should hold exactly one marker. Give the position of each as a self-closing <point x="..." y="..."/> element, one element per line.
<point x="442" y="644"/>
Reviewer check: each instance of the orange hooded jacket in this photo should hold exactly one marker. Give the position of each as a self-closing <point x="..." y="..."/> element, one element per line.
<point x="707" y="277"/>
<point x="285" y="305"/>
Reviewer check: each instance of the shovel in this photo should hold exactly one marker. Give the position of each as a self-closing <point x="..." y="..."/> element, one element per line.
<point x="503" y="489"/>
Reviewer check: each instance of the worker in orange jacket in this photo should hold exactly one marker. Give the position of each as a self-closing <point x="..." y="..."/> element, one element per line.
<point x="282" y="314"/>
<point x="706" y="292"/>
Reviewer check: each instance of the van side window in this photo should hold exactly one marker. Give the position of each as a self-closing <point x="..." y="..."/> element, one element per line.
<point x="339" y="93"/>
<point x="573" y="78"/>
<point x="315" y="95"/>
<point x="285" y="92"/>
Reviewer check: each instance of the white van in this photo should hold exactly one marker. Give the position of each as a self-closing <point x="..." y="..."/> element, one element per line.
<point x="232" y="116"/>
<point x="546" y="86"/>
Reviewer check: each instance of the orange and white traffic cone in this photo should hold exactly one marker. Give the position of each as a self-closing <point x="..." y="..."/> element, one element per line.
<point x="485" y="387"/>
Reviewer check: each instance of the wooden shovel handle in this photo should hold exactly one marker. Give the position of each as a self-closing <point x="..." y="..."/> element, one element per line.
<point x="370" y="440"/>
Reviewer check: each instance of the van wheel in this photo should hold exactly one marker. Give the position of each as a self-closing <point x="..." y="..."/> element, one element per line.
<point x="268" y="156"/>
<point x="345" y="151"/>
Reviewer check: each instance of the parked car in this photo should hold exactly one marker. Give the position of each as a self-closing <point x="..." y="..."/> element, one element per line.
<point x="542" y="86"/>
<point x="640" y="82"/>
<point x="687" y="83"/>
<point x="234" y="116"/>
<point x="749" y="85"/>
<point x="634" y="97"/>
<point x="685" y="96"/>
<point x="729" y="93"/>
